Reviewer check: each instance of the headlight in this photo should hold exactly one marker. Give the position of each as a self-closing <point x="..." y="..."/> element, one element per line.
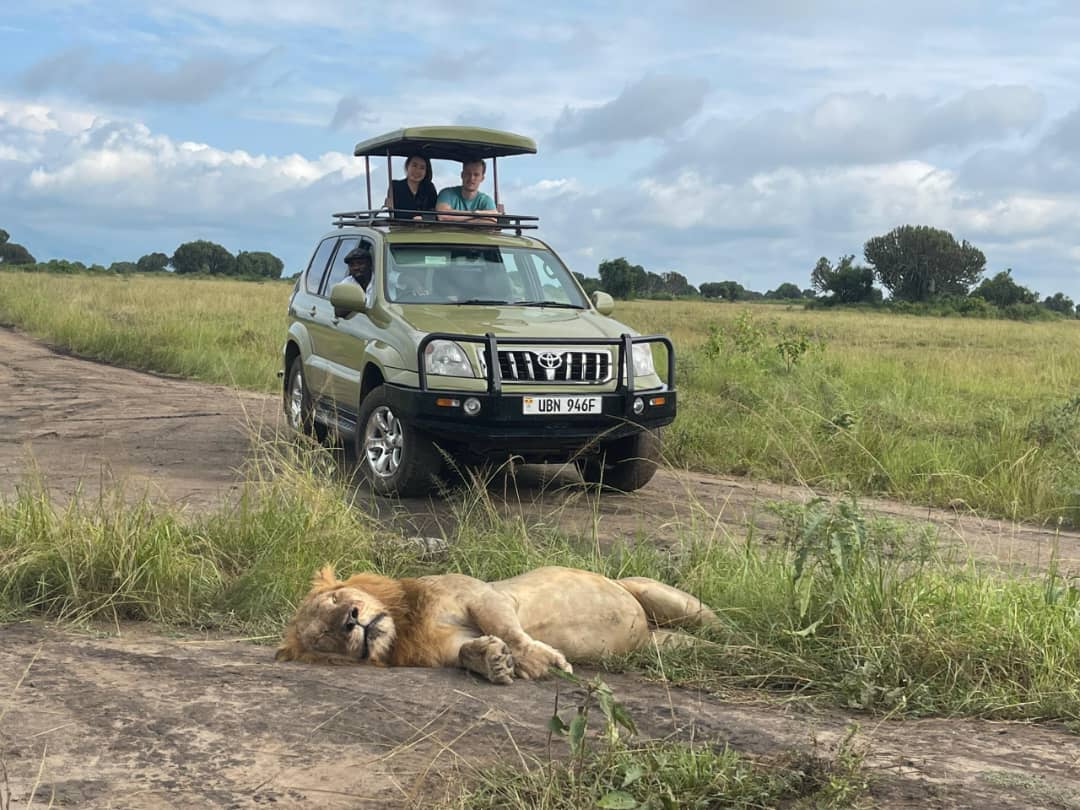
<point x="448" y="359"/>
<point x="643" y="364"/>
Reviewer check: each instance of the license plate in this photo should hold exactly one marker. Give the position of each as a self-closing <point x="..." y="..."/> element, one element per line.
<point x="560" y="406"/>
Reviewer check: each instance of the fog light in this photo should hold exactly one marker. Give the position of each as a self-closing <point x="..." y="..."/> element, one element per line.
<point x="639" y="406"/>
<point x="471" y="406"/>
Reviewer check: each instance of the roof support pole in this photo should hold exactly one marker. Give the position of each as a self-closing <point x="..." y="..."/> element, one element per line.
<point x="389" y="180"/>
<point x="367" y="176"/>
<point x="495" y="178"/>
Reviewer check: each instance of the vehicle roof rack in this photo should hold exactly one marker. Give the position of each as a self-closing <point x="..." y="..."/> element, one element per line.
<point x="443" y="143"/>
<point x="400" y="218"/>
<point x="447" y="143"/>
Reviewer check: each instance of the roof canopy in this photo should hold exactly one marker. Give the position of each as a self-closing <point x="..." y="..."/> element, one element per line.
<point x="447" y="143"/>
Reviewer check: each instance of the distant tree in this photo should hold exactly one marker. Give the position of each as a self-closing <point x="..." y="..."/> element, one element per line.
<point x="622" y="279"/>
<point x="728" y="290"/>
<point x="917" y="263"/>
<point x="589" y="284"/>
<point x="1059" y="302"/>
<point x="11" y="253"/>
<point x="259" y="263"/>
<point x="203" y="257"/>
<point x="809" y="293"/>
<point x="847" y="283"/>
<point x="123" y="267"/>
<point x="711" y="289"/>
<point x="676" y="284"/>
<point x="1002" y="291"/>
<point x="153" y="263"/>
<point x="786" y="290"/>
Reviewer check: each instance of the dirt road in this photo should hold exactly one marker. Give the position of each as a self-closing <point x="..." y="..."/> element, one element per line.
<point x="133" y="719"/>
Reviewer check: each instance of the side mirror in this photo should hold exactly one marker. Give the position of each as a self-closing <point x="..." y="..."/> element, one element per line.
<point x="603" y="302"/>
<point x="348" y="298"/>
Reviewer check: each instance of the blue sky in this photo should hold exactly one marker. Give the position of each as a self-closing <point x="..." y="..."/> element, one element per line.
<point x="721" y="140"/>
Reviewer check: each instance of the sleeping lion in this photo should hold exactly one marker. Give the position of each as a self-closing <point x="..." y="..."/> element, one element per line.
<point x="514" y="628"/>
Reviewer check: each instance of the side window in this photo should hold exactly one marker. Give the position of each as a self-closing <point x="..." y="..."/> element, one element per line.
<point x="313" y="276"/>
<point x="339" y="270"/>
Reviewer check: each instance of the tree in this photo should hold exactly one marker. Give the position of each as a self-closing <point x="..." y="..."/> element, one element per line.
<point x="621" y="279"/>
<point x="1059" y="302"/>
<point x="1002" y="291"/>
<point x="676" y="284"/>
<point x="153" y="263"/>
<point x="123" y="267"/>
<point x="259" y="263"/>
<point x="847" y="283"/>
<point x="728" y="290"/>
<point x="11" y="253"/>
<point x="785" y="291"/>
<point x="589" y="284"/>
<point x="917" y="263"/>
<point x="203" y="257"/>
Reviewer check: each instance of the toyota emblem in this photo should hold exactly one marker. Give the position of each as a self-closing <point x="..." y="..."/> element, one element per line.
<point x="549" y="360"/>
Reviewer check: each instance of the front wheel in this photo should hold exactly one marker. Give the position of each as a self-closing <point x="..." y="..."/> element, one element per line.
<point x="395" y="457"/>
<point x="624" y="464"/>
<point x="298" y="410"/>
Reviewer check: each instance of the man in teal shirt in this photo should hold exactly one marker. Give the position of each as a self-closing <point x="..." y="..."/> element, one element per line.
<point x="467" y="196"/>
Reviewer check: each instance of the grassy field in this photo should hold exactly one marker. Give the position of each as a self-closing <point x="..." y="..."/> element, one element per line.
<point x="985" y="414"/>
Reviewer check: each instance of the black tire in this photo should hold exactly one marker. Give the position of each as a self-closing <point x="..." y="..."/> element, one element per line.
<point x="395" y="457"/>
<point x="624" y="464"/>
<point x="299" y="413"/>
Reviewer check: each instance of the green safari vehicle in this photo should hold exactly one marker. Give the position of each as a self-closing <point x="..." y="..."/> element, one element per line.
<point x="473" y="341"/>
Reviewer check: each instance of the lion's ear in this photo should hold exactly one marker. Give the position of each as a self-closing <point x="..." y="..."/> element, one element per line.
<point x="324" y="578"/>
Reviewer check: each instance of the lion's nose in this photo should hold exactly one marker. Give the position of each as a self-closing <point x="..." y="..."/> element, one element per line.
<point x="352" y="619"/>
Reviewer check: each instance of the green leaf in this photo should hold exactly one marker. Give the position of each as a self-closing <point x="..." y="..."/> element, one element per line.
<point x="633" y="773"/>
<point x="577" y="732"/>
<point x="556" y="725"/>
<point x="617" y="800"/>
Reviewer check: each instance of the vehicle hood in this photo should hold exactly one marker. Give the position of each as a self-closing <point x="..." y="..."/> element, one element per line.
<point x="511" y="322"/>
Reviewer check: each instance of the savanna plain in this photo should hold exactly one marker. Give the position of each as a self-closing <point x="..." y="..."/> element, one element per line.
<point x="840" y="610"/>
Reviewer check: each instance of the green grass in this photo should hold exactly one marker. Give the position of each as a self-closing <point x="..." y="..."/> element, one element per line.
<point x="930" y="410"/>
<point x="844" y="609"/>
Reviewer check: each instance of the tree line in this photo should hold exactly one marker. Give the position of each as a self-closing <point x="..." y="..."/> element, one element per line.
<point x="917" y="265"/>
<point x="190" y="258"/>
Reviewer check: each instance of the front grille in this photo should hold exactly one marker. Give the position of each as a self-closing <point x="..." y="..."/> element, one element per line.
<point x="555" y="365"/>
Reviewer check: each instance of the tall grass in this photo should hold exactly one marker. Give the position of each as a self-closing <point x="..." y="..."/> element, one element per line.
<point x="207" y="329"/>
<point x="928" y="410"/>
<point x="855" y="611"/>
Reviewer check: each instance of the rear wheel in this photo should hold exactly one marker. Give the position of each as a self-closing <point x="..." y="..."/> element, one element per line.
<point x="624" y="464"/>
<point x="395" y="457"/>
<point x="299" y="412"/>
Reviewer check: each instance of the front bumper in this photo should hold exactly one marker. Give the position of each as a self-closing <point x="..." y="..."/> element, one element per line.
<point x="501" y="425"/>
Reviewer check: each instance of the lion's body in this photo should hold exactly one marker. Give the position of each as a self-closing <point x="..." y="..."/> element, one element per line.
<point x="514" y="627"/>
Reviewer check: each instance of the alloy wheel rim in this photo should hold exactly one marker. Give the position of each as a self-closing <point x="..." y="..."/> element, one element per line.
<point x="296" y="400"/>
<point x="383" y="442"/>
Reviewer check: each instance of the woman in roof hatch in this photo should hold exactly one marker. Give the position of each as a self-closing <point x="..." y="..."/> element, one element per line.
<point x="415" y="192"/>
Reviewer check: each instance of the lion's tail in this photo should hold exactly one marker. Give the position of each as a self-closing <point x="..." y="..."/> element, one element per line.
<point x="669" y="607"/>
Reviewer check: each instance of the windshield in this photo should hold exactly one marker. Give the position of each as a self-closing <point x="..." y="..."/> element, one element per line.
<point x="464" y="274"/>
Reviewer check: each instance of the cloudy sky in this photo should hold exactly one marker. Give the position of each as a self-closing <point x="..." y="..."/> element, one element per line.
<point x="722" y="140"/>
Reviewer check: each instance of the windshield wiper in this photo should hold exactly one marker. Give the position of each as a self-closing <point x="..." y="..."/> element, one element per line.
<point x="481" y="301"/>
<point x="556" y="304"/>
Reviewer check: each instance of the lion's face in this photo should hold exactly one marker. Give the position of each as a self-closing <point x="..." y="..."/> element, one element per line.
<point x="340" y="624"/>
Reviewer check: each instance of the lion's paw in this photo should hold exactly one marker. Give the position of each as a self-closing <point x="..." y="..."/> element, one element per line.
<point x="537" y="658"/>
<point x="489" y="656"/>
